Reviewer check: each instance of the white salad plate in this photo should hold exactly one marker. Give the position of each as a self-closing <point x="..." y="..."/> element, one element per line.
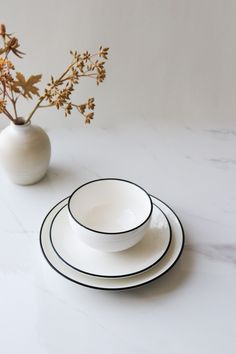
<point x="123" y="283"/>
<point x="133" y="260"/>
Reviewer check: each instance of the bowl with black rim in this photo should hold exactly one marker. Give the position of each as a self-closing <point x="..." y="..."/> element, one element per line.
<point x="110" y="214"/>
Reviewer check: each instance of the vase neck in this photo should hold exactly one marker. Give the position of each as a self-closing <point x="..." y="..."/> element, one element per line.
<point x="20" y="127"/>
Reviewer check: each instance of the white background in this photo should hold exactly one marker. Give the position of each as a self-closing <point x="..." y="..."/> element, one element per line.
<point x="165" y="119"/>
<point x="169" y="60"/>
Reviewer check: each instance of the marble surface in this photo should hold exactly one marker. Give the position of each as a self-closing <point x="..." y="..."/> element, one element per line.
<point x="189" y="310"/>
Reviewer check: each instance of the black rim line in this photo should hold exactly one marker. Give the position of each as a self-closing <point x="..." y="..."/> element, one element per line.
<point x="104" y="232"/>
<point x="110" y="276"/>
<point x="113" y="289"/>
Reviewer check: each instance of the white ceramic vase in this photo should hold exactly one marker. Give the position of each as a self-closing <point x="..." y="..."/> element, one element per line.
<point x="24" y="153"/>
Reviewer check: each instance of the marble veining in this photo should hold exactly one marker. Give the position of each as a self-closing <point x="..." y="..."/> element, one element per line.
<point x="222" y="161"/>
<point x="208" y="221"/>
<point x="219" y="253"/>
<point x="226" y="132"/>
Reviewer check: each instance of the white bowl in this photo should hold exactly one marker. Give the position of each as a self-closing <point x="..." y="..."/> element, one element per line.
<point x="110" y="214"/>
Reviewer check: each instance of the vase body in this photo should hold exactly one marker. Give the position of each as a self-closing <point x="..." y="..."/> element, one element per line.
<point x="25" y="152"/>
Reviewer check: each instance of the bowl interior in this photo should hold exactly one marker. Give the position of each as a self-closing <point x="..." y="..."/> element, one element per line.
<point x="110" y="206"/>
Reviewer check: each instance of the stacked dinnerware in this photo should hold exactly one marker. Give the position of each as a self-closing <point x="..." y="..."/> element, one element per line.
<point x="111" y="234"/>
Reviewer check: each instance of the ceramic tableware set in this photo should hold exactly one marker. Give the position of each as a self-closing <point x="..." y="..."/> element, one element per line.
<point x="111" y="234"/>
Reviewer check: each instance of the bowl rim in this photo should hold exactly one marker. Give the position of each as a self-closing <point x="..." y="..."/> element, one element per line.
<point x="105" y="232"/>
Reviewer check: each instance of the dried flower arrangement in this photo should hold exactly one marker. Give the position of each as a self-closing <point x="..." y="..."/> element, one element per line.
<point x="57" y="92"/>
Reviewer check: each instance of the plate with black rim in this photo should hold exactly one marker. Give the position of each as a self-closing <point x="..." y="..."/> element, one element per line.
<point x="166" y="263"/>
<point x="134" y="260"/>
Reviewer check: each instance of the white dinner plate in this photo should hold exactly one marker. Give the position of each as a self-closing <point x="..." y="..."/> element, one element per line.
<point x="166" y="263"/>
<point x="134" y="260"/>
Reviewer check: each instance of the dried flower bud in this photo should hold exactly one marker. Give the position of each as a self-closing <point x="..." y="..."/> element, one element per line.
<point x="2" y="30"/>
<point x="89" y="116"/>
<point x="90" y="103"/>
<point x="68" y="109"/>
<point x="80" y="65"/>
<point x="2" y="105"/>
<point x="103" y="52"/>
<point x="81" y="108"/>
<point x="86" y="56"/>
<point x="13" y="43"/>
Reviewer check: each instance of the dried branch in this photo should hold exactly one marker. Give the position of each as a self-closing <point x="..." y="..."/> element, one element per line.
<point x="58" y="92"/>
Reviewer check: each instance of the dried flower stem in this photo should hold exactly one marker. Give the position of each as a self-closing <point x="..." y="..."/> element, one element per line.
<point x="43" y="97"/>
<point x="46" y="105"/>
<point x="13" y="100"/>
<point x="5" y="111"/>
<point x="34" y="110"/>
